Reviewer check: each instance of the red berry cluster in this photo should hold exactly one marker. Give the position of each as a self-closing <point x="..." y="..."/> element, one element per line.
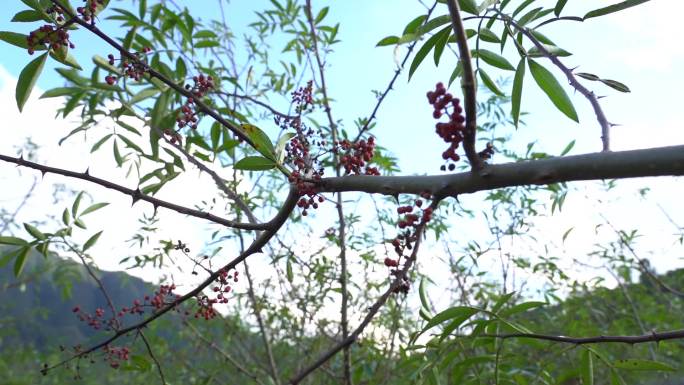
<point x="162" y="297"/>
<point x="188" y="116"/>
<point x="131" y="69"/>
<point x="408" y="222"/>
<point x="55" y="38"/>
<point x="56" y="11"/>
<point x="95" y="320"/>
<point x="302" y="97"/>
<point x="357" y="156"/>
<point x="452" y="132"/>
<point x="300" y="153"/>
<point x="114" y="355"/>
<point x="88" y="11"/>
<point x="205" y="304"/>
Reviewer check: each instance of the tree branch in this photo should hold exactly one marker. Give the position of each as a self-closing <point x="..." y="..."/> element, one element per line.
<point x="469" y="86"/>
<point x="341" y="231"/>
<point x="153" y="73"/>
<point x="660" y="161"/>
<point x="638" y="339"/>
<point x="390" y="85"/>
<point x="263" y="238"/>
<point x="136" y="194"/>
<point x="371" y="312"/>
<point x="600" y="115"/>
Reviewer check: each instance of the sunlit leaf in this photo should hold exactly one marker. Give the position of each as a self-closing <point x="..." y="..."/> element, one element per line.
<point x="254" y="163"/>
<point x="548" y="83"/>
<point x="28" y="78"/>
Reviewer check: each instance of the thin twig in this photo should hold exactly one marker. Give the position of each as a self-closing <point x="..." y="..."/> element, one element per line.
<point x="136" y="194"/>
<point x="223" y="353"/>
<point x="151" y="354"/>
<point x="635" y="339"/>
<point x="390" y="85"/>
<point x="373" y="310"/>
<point x="593" y="100"/>
<point x="256" y="246"/>
<point x="238" y="131"/>
<point x="341" y="231"/>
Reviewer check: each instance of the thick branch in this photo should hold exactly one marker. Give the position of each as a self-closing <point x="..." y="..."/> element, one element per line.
<point x="468" y="84"/>
<point x="661" y="161"/>
<point x="136" y="194"/>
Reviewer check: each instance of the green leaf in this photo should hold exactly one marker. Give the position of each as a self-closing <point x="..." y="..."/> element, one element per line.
<point x="100" y="142"/>
<point x="516" y="94"/>
<point x="568" y="147"/>
<point x="12" y="241"/>
<point x="413" y="25"/>
<point x="553" y="89"/>
<point x="587" y="368"/>
<point x="262" y="142"/>
<point x="441" y="44"/>
<point x="502" y="301"/>
<point x="77" y="202"/>
<point x="321" y="15"/>
<point x="551" y="49"/>
<point x="215" y="135"/>
<point x="520" y="308"/>
<point x="434" y="23"/>
<point x="35" y="233"/>
<point x="94" y="207"/>
<point x="144" y="94"/>
<point x="117" y="154"/>
<point x="66" y="217"/>
<point x="560" y="4"/>
<point x="254" y="163"/>
<point x="453" y="312"/>
<point x="423" y="295"/>
<point x="91" y="241"/>
<point x="409" y="37"/>
<point x="469" y="6"/>
<point x="27" y="79"/>
<point x="425" y="49"/>
<point x="615" y="85"/>
<point x="21" y="260"/>
<point x="458" y="70"/>
<point x="288" y="269"/>
<point x="487" y="35"/>
<point x="60" y="91"/>
<point x="18" y="40"/>
<point x="489" y="83"/>
<point x="493" y="59"/>
<point x="104" y="64"/>
<point x="613" y="8"/>
<point x="587" y="76"/>
<point x="27" y="16"/>
<point x="63" y="56"/>
<point x="529" y="16"/>
<point x="637" y="364"/>
<point x="207" y="44"/>
<point x="280" y="146"/>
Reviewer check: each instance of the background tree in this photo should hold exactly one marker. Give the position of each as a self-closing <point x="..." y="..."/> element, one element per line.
<point x="316" y="207"/>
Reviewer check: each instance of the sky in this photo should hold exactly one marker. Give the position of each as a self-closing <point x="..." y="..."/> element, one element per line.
<point x="638" y="47"/>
